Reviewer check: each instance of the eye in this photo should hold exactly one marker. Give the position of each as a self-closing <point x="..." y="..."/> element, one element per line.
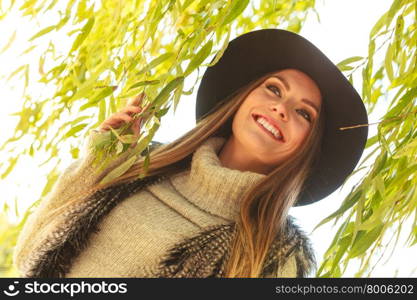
<point x="306" y="115"/>
<point x="274" y="89"/>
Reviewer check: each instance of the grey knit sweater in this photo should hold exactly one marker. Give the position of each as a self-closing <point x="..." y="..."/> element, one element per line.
<point x="134" y="236"/>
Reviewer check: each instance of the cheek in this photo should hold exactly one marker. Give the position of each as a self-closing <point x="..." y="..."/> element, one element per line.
<point x="237" y="122"/>
<point x="241" y="116"/>
<point x="301" y="132"/>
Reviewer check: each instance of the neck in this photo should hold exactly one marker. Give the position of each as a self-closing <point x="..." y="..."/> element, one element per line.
<point x="211" y="186"/>
<point x="241" y="160"/>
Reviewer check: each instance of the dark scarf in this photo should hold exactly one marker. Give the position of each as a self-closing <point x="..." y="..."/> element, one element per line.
<point x="203" y="255"/>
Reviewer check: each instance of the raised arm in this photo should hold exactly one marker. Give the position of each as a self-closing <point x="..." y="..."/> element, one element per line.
<point x="77" y="178"/>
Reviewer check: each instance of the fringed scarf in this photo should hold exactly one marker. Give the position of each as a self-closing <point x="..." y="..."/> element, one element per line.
<point x="206" y="254"/>
<point x="203" y="255"/>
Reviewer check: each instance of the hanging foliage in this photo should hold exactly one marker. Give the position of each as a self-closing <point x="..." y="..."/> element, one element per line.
<point x="372" y="217"/>
<point x="116" y="50"/>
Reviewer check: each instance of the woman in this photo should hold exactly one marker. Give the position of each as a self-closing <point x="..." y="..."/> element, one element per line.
<point x="215" y="202"/>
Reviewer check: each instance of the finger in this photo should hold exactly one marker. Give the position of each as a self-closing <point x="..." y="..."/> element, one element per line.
<point x="106" y="126"/>
<point x="141" y="110"/>
<point x="116" y="120"/>
<point x="136" y="101"/>
<point x="110" y="123"/>
<point x="146" y="107"/>
<point x="136" y="127"/>
<point x="131" y="109"/>
<point x="121" y="116"/>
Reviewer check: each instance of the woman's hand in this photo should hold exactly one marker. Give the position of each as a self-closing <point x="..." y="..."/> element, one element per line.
<point x="125" y="115"/>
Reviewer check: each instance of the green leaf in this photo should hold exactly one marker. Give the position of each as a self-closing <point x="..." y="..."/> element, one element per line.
<point x="237" y="9"/>
<point x="143" y="143"/>
<point x="75" y="130"/>
<point x="164" y="94"/>
<point x="12" y="163"/>
<point x="15" y="72"/>
<point x="406" y="149"/>
<point x="156" y="120"/>
<point x="146" y="162"/>
<point x="142" y="83"/>
<point x="62" y="22"/>
<point x="162" y="112"/>
<point x="345" y="230"/>
<point x="177" y="96"/>
<point x="402" y="103"/>
<point x="114" y="131"/>
<point x="221" y="51"/>
<point x="405" y="174"/>
<point x="77" y="120"/>
<point x="343" y="244"/>
<point x="157" y="61"/>
<point x="101" y="139"/>
<point x="371" y="141"/>
<point x="26" y="77"/>
<point x="119" y="171"/>
<point x="344" y="64"/>
<point x="119" y="147"/>
<point x="380" y="185"/>
<point x="103" y="94"/>
<point x="378" y="25"/>
<point x="348" y="203"/>
<point x="5" y="207"/>
<point x="350" y="60"/>
<point x="9" y="42"/>
<point x="41" y="65"/>
<point x="371" y="49"/>
<point x="199" y="58"/>
<point x="399" y="26"/>
<point x="83" y="35"/>
<point x="16" y="206"/>
<point x="42" y="32"/>
<point x="75" y="152"/>
<point x="364" y="240"/>
<point x="345" y="68"/>
<point x="395" y="6"/>
<point x="128" y="138"/>
<point x="102" y="111"/>
<point x="380" y="163"/>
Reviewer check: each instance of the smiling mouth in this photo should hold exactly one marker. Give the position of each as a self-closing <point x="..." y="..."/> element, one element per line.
<point x="268" y="128"/>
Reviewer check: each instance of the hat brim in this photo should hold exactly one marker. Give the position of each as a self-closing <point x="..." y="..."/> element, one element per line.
<point x="256" y="53"/>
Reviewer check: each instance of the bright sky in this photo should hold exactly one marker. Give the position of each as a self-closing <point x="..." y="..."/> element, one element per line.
<point x="343" y="32"/>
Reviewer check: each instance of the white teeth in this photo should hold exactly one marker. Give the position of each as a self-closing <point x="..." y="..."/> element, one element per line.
<point x="269" y="127"/>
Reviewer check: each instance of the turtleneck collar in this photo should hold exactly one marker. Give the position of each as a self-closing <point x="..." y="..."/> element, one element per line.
<point x="211" y="186"/>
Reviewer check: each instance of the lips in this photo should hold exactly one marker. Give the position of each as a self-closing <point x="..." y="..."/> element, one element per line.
<point x="273" y="123"/>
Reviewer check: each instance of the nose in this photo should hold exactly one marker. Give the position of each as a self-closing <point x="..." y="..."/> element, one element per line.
<point x="280" y="110"/>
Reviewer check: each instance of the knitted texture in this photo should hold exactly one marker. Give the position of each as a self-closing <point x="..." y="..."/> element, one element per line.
<point x="57" y="260"/>
<point x="179" y="226"/>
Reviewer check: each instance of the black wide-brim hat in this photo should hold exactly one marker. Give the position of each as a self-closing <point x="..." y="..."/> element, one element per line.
<point x="256" y="53"/>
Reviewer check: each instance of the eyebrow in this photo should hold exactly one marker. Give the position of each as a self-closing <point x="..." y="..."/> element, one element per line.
<point x="287" y="86"/>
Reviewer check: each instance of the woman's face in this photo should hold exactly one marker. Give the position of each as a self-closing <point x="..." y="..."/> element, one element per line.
<point x="275" y="119"/>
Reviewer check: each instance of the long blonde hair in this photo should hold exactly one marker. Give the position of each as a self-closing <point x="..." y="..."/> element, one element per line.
<point x="264" y="207"/>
